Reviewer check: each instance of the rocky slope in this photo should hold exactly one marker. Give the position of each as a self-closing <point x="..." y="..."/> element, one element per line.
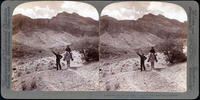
<point x="33" y="39"/>
<point x="71" y="23"/>
<point x="33" y="63"/>
<point x="38" y="36"/>
<point x="41" y="75"/>
<point x="114" y="75"/>
<point x="130" y="35"/>
<point x="125" y="75"/>
<point x="154" y="24"/>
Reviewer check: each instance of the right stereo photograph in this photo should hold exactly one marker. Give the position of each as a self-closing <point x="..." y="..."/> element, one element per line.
<point x="143" y="47"/>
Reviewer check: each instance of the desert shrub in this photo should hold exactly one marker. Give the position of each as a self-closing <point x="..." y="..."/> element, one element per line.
<point x="108" y="87"/>
<point x="117" y="86"/>
<point x="113" y="73"/>
<point x="19" y="74"/>
<point x="173" y="50"/>
<point x="107" y="51"/>
<point x="24" y="87"/>
<point x="24" y="52"/>
<point x="176" y="56"/>
<point x="89" y="47"/>
<point x="28" y="72"/>
<point x="33" y="85"/>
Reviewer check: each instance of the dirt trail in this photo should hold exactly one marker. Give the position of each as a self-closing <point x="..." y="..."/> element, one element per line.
<point x="59" y="80"/>
<point x="124" y="75"/>
<point x="41" y="74"/>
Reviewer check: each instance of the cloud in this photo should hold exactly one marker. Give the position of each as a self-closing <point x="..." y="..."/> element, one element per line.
<point x="125" y="10"/>
<point x="120" y="13"/>
<point x="36" y="12"/>
<point x="45" y="9"/>
<point x="28" y="12"/>
<point x="82" y="9"/>
<point x="132" y="10"/>
<point x="169" y="10"/>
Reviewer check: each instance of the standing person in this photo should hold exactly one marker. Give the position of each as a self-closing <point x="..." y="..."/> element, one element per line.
<point x="67" y="57"/>
<point x="68" y="49"/>
<point x="154" y="53"/>
<point x="58" y="57"/>
<point x="142" y="60"/>
<point x="152" y="59"/>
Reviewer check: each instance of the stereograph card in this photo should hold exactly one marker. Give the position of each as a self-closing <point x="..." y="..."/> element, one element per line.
<point x="99" y="49"/>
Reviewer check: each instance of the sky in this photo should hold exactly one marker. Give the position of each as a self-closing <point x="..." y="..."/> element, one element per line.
<point x="49" y="9"/>
<point x="132" y="10"/>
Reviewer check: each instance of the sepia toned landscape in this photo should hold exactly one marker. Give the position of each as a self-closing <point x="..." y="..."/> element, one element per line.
<point x="34" y="64"/>
<point x="104" y="50"/>
<point x="122" y="36"/>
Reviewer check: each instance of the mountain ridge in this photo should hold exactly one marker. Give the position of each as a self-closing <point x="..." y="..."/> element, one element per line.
<point x="71" y="23"/>
<point x="156" y="24"/>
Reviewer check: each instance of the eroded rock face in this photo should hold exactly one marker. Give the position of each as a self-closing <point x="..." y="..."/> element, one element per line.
<point x="150" y="30"/>
<point x="154" y="24"/>
<point x="71" y="23"/>
<point x="38" y="36"/>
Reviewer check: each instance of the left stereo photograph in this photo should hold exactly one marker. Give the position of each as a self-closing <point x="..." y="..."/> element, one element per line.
<point x="55" y="46"/>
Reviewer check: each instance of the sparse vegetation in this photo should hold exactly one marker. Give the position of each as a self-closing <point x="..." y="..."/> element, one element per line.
<point x="28" y="72"/>
<point x="120" y="66"/>
<point x="19" y="74"/>
<point x="113" y="73"/>
<point x="107" y="51"/>
<point x="24" y="87"/>
<point x="117" y="86"/>
<point x="173" y="50"/>
<point x="108" y="88"/>
<point x="33" y="85"/>
<point x="88" y="46"/>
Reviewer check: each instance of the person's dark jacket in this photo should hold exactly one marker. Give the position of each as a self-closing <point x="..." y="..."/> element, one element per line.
<point x="143" y="58"/>
<point x="68" y="49"/>
<point x="152" y="51"/>
<point x="58" y="56"/>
